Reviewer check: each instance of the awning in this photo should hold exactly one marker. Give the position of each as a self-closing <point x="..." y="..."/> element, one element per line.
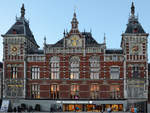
<point x="92" y="102"/>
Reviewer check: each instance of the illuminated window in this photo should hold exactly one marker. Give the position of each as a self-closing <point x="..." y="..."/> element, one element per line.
<point x="74" y="67"/>
<point x="35" y="91"/>
<point x="35" y="73"/>
<point x="115" y="91"/>
<point x="54" y="91"/>
<point x="94" y="67"/>
<point x="94" y="91"/>
<point x="54" y="67"/>
<point x="114" y="73"/>
<point x="75" y="91"/>
<point x="14" y="72"/>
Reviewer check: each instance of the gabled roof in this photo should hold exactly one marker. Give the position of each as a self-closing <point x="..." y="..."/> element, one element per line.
<point x="21" y="27"/>
<point x="36" y="51"/>
<point x="89" y="41"/>
<point x="134" y="26"/>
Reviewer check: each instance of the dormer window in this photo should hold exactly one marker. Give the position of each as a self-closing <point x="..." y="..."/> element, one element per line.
<point x="14" y="31"/>
<point x="135" y="30"/>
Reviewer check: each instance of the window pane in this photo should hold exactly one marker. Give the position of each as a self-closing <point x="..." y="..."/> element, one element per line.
<point x="54" y="67"/>
<point x="94" y="67"/>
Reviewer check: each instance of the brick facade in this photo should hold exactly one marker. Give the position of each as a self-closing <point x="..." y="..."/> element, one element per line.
<point x="30" y="70"/>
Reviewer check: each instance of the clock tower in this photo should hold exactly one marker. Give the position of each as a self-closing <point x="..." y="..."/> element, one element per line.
<point x="17" y="43"/>
<point x="134" y="45"/>
<point x="74" y="38"/>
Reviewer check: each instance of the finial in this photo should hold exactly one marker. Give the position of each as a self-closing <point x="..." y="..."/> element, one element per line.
<point x="132" y="9"/>
<point x="67" y="31"/>
<point x="44" y="39"/>
<point x="75" y="10"/>
<point x="22" y="11"/>
<point x="104" y="38"/>
<point x="64" y="33"/>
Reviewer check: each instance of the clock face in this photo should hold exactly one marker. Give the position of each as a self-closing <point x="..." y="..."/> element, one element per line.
<point x="74" y="41"/>
<point x="14" y="49"/>
<point x="135" y="49"/>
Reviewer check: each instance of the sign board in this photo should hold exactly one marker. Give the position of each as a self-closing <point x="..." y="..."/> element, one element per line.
<point x="5" y="105"/>
<point x="75" y="102"/>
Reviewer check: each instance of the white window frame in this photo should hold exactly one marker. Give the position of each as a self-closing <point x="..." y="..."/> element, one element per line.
<point x="35" y="91"/>
<point x="74" y="67"/>
<point x="14" y="70"/>
<point x="35" y="72"/>
<point x="94" y="67"/>
<point x="113" y="73"/>
<point x="54" y="67"/>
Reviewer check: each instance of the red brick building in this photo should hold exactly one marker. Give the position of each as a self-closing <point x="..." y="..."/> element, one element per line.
<point x="77" y="71"/>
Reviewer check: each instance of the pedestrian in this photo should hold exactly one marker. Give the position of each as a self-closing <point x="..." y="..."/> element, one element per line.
<point x="132" y="109"/>
<point x="135" y="110"/>
<point x="109" y="110"/>
<point x="15" y="109"/>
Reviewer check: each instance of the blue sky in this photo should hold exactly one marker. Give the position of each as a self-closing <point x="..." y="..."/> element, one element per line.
<point x="50" y="17"/>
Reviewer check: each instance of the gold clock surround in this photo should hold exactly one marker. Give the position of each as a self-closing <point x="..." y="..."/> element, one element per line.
<point x="14" y="49"/>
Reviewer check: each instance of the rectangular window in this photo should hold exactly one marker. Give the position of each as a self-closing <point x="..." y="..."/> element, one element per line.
<point x="114" y="58"/>
<point x="54" y="70"/>
<point x="135" y="71"/>
<point x="54" y="91"/>
<point x="114" y="91"/>
<point x="94" y="91"/>
<point x="74" y="91"/>
<point x="14" y="71"/>
<point x="35" y="73"/>
<point x="114" y="73"/>
<point x="74" y="74"/>
<point x="35" y="91"/>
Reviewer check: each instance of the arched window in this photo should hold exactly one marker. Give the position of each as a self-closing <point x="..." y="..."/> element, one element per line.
<point x="94" y="67"/>
<point x="74" y="67"/>
<point x="54" y="67"/>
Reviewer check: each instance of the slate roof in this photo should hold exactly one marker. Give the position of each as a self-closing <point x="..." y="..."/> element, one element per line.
<point x="114" y="51"/>
<point x="149" y="68"/>
<point x="1" y="65"/>
<point x="89" y="41"/>
<point x="36" y="51"/>
<point x="134" y="26"/>
<point x="21" y="27"/>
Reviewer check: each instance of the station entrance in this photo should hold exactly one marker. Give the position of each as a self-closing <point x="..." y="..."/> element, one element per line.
<point x="91" y="107"/>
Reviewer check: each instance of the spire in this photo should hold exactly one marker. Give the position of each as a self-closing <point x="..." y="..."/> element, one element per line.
<point x="22" y="11"/>
<point x="104" y="38"/>
<point x="74" y="21"/>
<point x="132" y="9"/>
<point x="45" y="40"/>
<point x="64" y="33"/>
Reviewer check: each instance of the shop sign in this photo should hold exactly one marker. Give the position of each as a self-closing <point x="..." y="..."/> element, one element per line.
<point x="75" y="102"/>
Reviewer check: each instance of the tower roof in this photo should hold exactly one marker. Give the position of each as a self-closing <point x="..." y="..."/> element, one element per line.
<point x="133" y="25"/>
<point x="21" y="27"/>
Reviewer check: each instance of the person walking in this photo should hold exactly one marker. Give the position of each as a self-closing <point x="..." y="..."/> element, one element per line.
<point x="109" y="110"/>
